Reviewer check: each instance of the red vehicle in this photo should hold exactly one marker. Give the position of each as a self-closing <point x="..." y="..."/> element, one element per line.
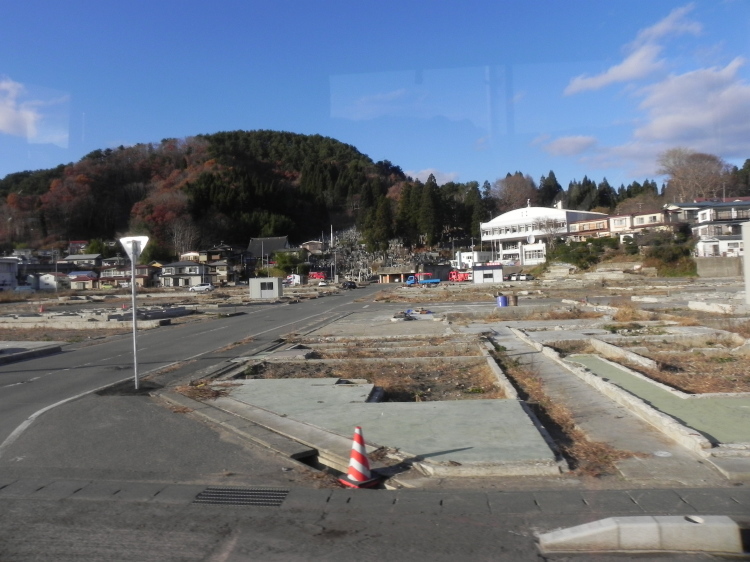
<point x="459" y="276"/>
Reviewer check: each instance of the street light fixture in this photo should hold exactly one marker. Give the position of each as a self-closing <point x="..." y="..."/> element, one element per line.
<point x="134" y="247"/>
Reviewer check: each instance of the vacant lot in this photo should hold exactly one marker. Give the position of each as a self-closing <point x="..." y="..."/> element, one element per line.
<point x="401" y="381"/>
<point x="691" y="369"/>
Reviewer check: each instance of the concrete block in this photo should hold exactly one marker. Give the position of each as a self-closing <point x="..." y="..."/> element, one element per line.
<point x="639" y="532"/>
<point x="716" y="534"/>
<point x="712" y="533"/>
<point x="596" y="536"/>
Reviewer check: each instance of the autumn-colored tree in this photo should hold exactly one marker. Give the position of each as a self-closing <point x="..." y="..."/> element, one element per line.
<point x="515" y="191"/>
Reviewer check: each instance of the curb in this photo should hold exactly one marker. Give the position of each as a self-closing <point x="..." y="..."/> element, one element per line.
<point x="30" y="354"/>
<point x="691" y="533"/>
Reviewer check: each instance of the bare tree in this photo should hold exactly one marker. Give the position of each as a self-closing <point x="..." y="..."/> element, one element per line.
<point x="183" y="234"/>
<point x="552" y="230"/>
<point x="515" y="191"/>
<point x="693" y="174"/>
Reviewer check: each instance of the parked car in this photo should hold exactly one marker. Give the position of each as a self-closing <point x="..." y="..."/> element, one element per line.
<point x="201" y="288"/>
<point x="348" y="285"/>
<point x="322" y="284"/>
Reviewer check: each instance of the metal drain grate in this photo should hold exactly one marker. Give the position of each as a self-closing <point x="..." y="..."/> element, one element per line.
<point x="266" y="497"/>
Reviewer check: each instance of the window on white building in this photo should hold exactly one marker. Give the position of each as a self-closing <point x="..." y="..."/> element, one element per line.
<point x="533" y="255"/>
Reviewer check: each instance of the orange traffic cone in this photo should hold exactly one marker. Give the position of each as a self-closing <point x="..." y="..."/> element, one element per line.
<point x="41" y="308"/>
<point x="359" y="475"/>
<point x="124" y="306"/>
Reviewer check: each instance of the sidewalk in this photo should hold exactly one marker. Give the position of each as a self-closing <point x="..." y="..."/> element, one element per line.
<point x="662" y="461"/>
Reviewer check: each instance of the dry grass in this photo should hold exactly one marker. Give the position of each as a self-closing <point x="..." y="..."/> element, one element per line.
<point x="232" y="345"/>
<point x="629" y="313"/>
<point x="571" y="347"/>
<point x="591" y="458"/>
<point x="698" y="373"/>
<point x="401" y="381"/>
<point x="54" y="334"/>
<point x="410" y="352"/>
<point x="203" y="389"/>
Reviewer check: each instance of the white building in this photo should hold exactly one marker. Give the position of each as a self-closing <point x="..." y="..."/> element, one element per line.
<point x="466" y="260"/>
<point x="8" y="273"/>
<point x="518" y="237"/>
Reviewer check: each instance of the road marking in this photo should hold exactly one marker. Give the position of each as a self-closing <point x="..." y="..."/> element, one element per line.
<point x="28" y="421"/>
<point x="366" y="306"/>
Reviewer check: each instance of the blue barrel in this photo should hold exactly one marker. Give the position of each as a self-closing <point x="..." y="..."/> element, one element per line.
<point x="502" y="300"/>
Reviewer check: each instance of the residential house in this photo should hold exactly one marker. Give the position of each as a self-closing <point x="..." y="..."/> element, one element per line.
<point x="597" y="227"/>
<point x="81" y="282"/>
<point x="190" y="256"/>
<point x="77" y="246"/>
<point x="719" y="229"/>
<point x="620" y="225"/>
<point x="117" y="261"/>
<point x="227" y="262"/>
<point x="651" y="221"/>
<point x="91" y="260"/>
<point x="260" y="250"/>
<point x="54" y="281"/>
<point x="184" y="274"/>
<point x="117" y="276"/>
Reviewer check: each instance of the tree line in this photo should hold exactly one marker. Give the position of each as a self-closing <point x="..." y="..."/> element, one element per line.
<point x="233" y="186"/>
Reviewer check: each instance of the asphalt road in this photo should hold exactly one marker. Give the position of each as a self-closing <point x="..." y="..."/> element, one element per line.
<point x="113" y="477"/>
<point x="29" y="387"/>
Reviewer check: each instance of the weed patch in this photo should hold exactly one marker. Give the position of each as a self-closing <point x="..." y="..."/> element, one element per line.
<point x="591" y="458"/>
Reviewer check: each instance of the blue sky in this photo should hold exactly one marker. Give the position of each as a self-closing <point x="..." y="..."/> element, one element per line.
<point x="466" y="90"/>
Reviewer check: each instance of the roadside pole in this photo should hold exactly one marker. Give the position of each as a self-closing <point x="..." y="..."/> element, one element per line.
<point x="134" y="245"/>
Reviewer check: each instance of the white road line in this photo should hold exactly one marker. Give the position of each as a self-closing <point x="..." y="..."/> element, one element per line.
<point x="28" y="421"/>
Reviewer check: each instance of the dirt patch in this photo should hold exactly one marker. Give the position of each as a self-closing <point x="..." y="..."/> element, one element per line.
<point x="401" y="381"/>
<point x="585" y="457"/>
<point x="53" y="334"/>
<point x="698" y="373"/>
<point x="696" y="369"/>
<point x="571" y="347"/>
<point x="466" y="350"/>
<point x="204" y="389"/>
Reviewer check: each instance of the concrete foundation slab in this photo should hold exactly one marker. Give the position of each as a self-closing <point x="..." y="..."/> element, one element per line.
<point x="443" y="437"/>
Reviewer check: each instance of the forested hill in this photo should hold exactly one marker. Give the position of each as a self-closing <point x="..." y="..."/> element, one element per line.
<point x="227" y="186"/>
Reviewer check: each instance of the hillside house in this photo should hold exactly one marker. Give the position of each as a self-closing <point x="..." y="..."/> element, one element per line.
<point x="184" y="274"/>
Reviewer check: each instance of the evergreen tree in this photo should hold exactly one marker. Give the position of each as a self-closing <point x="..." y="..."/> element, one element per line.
<point x="429" y="212"/>
<point x="549" y="190"/>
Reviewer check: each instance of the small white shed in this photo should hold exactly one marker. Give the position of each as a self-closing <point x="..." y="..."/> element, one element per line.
<point x="488" y="273"/>
<point x="266" y="288"/>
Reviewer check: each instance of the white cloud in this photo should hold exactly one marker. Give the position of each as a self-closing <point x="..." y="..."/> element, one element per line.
<point x="673" y="24"/>
<point x="16" y="118"/>
<point x="39" y="117"/>
<point x="706" y="109"/>
<point x="643" y="58"/>
<point x="570" y="146"/>
<point x="371" y="106"/>
<point x="440" y="177"/>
